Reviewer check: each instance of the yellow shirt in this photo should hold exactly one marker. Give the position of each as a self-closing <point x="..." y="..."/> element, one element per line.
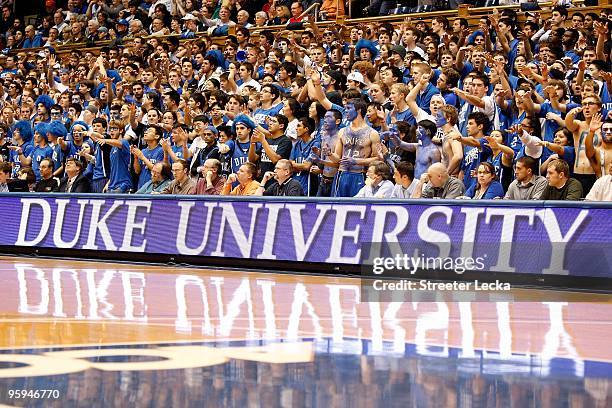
<point x="247" y="190"/>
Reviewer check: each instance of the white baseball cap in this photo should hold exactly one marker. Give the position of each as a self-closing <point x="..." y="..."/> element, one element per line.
<point x="355" y="76"/>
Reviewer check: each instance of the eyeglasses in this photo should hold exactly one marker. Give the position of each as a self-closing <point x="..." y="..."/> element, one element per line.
<point x="590" y="104"/>
<point x="55" y="113"/>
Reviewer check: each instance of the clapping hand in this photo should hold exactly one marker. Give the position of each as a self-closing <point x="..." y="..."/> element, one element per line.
<point x="315" y="156"/>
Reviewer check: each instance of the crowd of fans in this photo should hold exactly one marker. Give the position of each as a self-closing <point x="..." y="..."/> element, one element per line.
<point x="508" y="110"/>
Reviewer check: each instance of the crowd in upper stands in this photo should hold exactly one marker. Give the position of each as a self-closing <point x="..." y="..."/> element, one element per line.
<point x="514" y="110"/>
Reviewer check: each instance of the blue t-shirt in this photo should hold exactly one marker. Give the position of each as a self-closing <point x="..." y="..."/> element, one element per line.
<point x="239" y="153"/>
<point x="72" y="150"/>
<point x="405" y="116"/>
<point x="495" y="190"/>
<point x="299" y="154"/>
<point x="38" y="154"/>
<point x="27" y="149"/>
<point x="153" y="155"/>
<point x="120" y="166"/>
<point x="472" y="157"/>
<point x="549" y="128"/>
<point x="57" y="156"/>
<point x="423" y="98"/>
<point x="100" y="170"/>
<point x="513" y="140"/>
<point x="260" y="114"/>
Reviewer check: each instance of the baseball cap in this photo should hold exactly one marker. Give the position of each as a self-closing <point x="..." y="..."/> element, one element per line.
<point x="398" y="49"/>
<point x="355" y="76"/>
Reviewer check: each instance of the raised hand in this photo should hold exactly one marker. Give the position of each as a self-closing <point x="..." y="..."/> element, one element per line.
<point x="492" y="142"/>
<point x="600" y="28"/>
<point x="136" y="152"/>
<point x="551" y="92"/>
<point x="395" y="139"/>
<point x="575" y="111"/>
<point x="596" y="122"/>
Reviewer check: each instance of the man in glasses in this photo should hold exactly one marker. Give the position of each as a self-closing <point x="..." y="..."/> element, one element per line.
<point x="583" y="171"/>
<point x="284" y="185"/>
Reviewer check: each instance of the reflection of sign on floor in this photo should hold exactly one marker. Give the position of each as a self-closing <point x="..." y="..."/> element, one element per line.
<point x="169" y="358"/>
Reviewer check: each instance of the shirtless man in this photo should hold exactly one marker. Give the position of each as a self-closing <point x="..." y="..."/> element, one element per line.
<point x="600" y="157"/>
<point x="452" y="150"/>
<point x="427" y="153"/>
<point x="357" y="147"/>
<point x="583" y="171"/>
<point x="329" y="138"/>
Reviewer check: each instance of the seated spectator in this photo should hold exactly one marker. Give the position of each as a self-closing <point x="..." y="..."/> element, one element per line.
<point x="74" y="181"/>
<point x="602" y="189"/>
<point x="377" y="185"/>
<point x="212" y="181"/>
<point x="560" y="185"/>
<point x="247" y="185"/>
<point x="284" y="184"/>
<point x="161" y="176"/>
<point x="182" y="183"/>
<point x="404" y="180"/>
<point x="487" y="187"/>
<point x="527" y="185"/>
<point x="437" y="183"/>
<point x="47" y="183"/>
<point x="5" y="175"/>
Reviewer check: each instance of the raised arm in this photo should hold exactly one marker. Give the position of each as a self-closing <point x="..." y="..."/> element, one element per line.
<point x="570" y="120"/>
<point x="591" y="151"/>
<point x="602" y="37"/>
<point x="414" y="92"/>
<point x="471" y="99"/>
<point x="315" y="90"/>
